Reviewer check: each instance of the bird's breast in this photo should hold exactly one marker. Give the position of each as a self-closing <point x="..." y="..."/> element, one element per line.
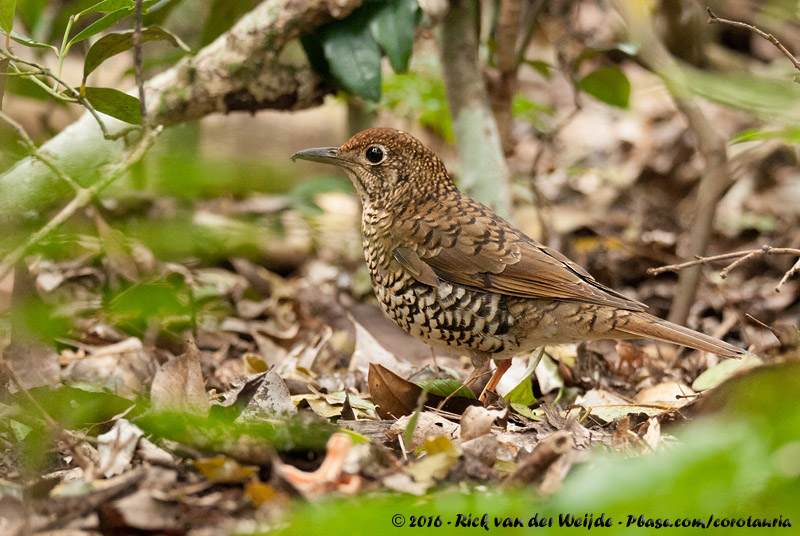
<point x="445" y="315"/>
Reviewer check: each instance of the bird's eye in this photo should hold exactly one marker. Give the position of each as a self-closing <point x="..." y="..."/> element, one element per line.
<point x="374" y="154"/>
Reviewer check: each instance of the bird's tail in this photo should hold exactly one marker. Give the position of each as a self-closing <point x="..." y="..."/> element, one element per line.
<point x="647" y="325"/>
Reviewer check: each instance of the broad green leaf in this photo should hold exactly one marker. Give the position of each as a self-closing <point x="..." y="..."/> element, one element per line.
<point x="609" y="85"/>
<point x="27" y="41"/>
<point x="312" y="44"/>
<point x="115" y="103"/>
<point x="445" y="387"/>
<point x="107" y="6"/>
<point x="353" y="55"/>
<point x="101" y="24"/>
<point x="763" y="97"/>
<point x="724" y="370"/>
<point x="393" y="26"/>
<point x="7" y="8"/>
<point x="114" y="43"/>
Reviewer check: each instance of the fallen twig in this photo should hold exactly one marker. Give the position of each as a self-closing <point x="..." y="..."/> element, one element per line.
<point x="712" y="18"/>
<point x="741" y="257"/>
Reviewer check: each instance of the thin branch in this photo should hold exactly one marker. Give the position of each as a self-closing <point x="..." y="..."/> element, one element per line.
<point x="34" y="151"/>
<point x="712" y="18"/>
<point x="529" y="18"/>
<point x="137" y="61"/>
<point x="792" y="271"/>
<point x="741" y="257"/>
<point x="82" y="199"/>
<point x="71" y="90"/>
<point x="33" y="76"/>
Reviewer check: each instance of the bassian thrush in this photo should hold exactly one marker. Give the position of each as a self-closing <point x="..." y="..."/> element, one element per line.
<point x="454" y="274"/>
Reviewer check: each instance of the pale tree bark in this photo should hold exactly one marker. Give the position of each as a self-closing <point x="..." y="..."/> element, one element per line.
<point x="506" y="36"/>
<point x="716" y="177"/>
<point x="242" y="70"/>
<point x="483" y="170"/>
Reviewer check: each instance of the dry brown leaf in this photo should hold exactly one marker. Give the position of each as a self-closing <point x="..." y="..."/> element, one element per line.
<point x="178" y="384"/>
<point x="668" y="394"/>
<point x="123" y="368"/>
<point x="477" y="421"/>
<point x="393" y="396"/>
<point x="428" y="425"/>
<point x="271" y="398"/>
<point x="369" y="350"/>
<point x="533" y="466"/>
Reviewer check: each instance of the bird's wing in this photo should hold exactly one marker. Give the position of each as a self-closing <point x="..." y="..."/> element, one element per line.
<point x="477" y="249"/>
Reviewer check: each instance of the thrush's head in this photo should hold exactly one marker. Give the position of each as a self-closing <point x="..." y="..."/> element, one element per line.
<point x="388" y="167"/>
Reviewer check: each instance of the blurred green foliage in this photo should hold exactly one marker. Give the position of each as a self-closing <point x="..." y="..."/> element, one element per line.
<point x="24" y="427"/>
<point x="420" y="95"/>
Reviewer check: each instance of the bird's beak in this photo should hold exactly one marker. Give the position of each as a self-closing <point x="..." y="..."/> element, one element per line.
<point x="326" y="155"/>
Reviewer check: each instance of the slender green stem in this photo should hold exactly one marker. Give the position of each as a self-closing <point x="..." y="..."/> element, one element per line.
<point x="33" y="76"/>
<point x="62" y="52"/>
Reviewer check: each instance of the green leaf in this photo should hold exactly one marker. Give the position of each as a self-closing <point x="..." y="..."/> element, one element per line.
<point x="115" y="103"/>
<point x="757" y="95"/>
<point x="393" y="26"/>
<point x="408" y="433"/>
<point x="722" y="371"/>
<point x="27" y="41"/>
<point x="531" y="111"/>
<point x="790" y="135"/>
<point x="523" y="392"/>
<point x="101" y="24"/>
<point x="107" y="6"/>
<point x="7" y="8"/>
<point x="542" y="67"/>
<point x="446" y="387"/>
<point x="609" y="85"/>
<point x="353" y="55"/>
<point x="20" y="430"/>
<point x="114" y="43"/>
<point x="533" y="414"/>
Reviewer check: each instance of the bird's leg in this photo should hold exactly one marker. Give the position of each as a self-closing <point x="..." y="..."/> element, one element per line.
<point x="435" y="364"/>
<point x="502" y="367"/>
<point x="476" y="373"/>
